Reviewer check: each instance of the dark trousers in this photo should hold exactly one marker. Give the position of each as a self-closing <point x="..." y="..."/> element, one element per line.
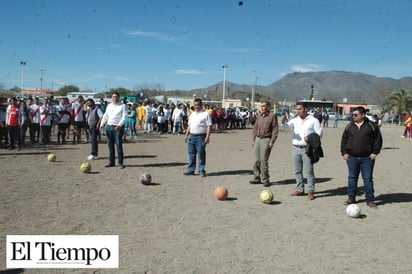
<point x="94" y="134"/>
<point x="364" y="166"/>
<point x="46" y="134"/>
<point x="13" y="135"/>
<point x="61" y="132"/>
<point x="34" y="133"/>
<point x="114" y="137"/>
<point x="22" y="134"/>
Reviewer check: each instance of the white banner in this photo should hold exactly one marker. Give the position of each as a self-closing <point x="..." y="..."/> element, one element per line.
<point x="62" y="251"/>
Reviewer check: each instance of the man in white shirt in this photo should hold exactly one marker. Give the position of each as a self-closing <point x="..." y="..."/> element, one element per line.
<point x="303" y="125"/>
<point x="115" y="118"/>
<point x="35" y="121"/>
<point x="148" y="126"/>
<point x="63" y="120"/>
<point x="45" y="121"/>
<point x="78" y="118"/>
<point x="197" y="136"/>
<point x="177" y="118"/>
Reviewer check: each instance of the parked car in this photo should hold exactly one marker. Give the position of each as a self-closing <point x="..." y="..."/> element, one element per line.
<point x="393" y="120"/>
<point x="345" y="117"/>
<point x="370" y="116"/>
<point x="332" y="115"/>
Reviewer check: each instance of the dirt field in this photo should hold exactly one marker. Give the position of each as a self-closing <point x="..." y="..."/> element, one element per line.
<point x="177" y="226"/>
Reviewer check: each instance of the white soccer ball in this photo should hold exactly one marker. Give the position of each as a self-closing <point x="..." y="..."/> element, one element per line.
<point x="353" y="210"/>
<point x="266" y="196"/>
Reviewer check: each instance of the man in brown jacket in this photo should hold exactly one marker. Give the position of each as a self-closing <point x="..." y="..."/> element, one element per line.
<point x="265" y="133"/>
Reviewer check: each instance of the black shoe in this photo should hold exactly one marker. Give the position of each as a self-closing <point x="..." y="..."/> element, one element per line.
<point x="266" y="183"/>
<point x="349" y="201"/>
<point x="255" y="181"/>
<point x="109" y="165"/>
<point x="372" y="205"/>
<point x="189" y="173"/>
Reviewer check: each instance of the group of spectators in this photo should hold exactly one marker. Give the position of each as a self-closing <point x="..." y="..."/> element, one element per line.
<point x="171" y="118"/>
<point x="42" y="119"/>
<point x="67" y="120"/>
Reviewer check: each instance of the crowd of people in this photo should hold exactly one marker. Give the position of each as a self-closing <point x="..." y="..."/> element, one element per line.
<point x="28" y="121"/>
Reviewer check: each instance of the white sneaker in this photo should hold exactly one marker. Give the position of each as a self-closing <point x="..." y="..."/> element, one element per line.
<point x="92" y="157"/>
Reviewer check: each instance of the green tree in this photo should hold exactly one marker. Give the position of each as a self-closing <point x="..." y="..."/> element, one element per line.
<point x="15" y="89"/>
<point x="67" y="89"/>
<point x="120" y="90"/>
<point x="399" y="102"/>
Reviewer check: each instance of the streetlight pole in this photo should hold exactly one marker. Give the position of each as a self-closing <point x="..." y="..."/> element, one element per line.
<point x="253" y="90"/>
<point x="22" y="63"/>
<point x="41" y="81"/>
<point x="224" y="85"/>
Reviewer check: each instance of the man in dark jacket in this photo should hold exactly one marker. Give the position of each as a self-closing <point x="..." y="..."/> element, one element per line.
<point x="360" y="144"/>
<point x="93" y="118"/>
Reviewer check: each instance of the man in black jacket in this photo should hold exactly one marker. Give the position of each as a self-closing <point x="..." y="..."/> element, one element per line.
<point x="360" y="144"/>
<point x="93" y="118"/>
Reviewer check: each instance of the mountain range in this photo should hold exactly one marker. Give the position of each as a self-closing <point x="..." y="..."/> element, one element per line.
<point x="336" y="86"/>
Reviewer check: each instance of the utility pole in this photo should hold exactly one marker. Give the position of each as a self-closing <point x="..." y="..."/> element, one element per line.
<point x="41" y="81"/>
<point x="224" y="85"/>
<point x="22" y="63"/>
<point x="253" y="89"/>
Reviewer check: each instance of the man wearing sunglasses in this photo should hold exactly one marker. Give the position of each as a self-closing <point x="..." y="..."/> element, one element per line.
<point x="360" y="144"/>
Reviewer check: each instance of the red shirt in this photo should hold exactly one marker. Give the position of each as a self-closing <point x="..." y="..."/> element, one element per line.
<point x="12" y="116"/>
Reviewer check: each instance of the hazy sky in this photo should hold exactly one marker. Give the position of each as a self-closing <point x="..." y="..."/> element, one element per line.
<point x="183" y="44"/>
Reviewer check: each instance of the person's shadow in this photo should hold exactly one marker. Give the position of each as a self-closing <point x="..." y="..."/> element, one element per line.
<point x="393" y="198"/>
<point x="12" y="271"/>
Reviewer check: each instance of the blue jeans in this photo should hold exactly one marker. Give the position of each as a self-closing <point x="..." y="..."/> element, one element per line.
<point x="22" y="134"/>
<point x="196" y="146"/>
<point x="130" y="125"/>
<point x="115" y="137"/>
<point x="365" y="166"/>
<point x="302" y="161"/>
<point x="177" y="127"/>
<point x="94" y="133"/>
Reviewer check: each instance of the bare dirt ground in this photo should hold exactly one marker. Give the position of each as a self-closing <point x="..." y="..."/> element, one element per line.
<point x="177" y="225"/>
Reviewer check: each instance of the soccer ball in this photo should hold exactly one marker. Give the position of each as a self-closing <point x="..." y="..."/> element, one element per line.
<point x="353" y="210"/>
<point x="86" y="168"/>
<point x="146" y="179"/>
<point x="221" y="193"/>
<point x="51" y="157"/>
<point x="266" y="196"/>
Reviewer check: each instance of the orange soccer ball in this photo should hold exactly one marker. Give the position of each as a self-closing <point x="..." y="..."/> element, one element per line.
<point x="221" y="193"/>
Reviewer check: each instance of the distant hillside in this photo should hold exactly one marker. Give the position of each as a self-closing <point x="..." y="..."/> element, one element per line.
<point x="330" y="85"/>
<point x="336" y="85"/>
